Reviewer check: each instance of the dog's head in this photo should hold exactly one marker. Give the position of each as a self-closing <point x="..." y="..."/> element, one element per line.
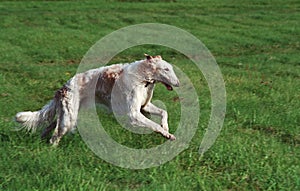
<point x="158" y="70"/>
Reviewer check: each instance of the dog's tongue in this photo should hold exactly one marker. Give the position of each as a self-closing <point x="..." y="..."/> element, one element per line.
<point x="168" y="87"/>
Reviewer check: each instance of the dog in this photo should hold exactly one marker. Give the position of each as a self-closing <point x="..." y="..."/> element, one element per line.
<point x="127" y="88"/>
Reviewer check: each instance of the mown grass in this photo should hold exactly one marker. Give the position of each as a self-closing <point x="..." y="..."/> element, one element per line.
<point x="256" y="44"/>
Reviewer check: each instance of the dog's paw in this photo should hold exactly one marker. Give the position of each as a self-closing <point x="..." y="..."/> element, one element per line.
<point x="168" y="135"/>
<point x="171" y="137"/>
<point x="54" y="141"/>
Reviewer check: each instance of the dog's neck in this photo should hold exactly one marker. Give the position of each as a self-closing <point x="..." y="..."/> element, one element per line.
<point x="149" y="83"/>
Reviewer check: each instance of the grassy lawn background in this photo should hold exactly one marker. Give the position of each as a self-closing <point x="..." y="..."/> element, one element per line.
<point x="256" y="44"/>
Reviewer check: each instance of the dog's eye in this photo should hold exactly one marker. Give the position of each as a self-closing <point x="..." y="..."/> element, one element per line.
<point x="166" y="69"/>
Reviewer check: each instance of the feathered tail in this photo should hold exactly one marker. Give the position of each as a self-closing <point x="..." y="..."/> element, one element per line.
<point x="32" y="120"/>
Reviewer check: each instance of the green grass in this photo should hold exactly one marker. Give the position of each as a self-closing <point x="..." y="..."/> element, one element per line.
<point x="256" y="44"/>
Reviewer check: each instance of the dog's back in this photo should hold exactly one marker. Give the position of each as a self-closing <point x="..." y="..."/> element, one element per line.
<point x="106" y="82"/>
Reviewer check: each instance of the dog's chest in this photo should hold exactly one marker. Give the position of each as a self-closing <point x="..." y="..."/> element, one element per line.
<point x="146" y="94"/>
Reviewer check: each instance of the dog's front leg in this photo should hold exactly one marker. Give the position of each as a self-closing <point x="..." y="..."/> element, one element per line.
<point x="139" y="119"/>
<point x="152" y="109"/>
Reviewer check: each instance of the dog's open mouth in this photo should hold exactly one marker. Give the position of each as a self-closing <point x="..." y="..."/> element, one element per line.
<point x="170" y="88"/>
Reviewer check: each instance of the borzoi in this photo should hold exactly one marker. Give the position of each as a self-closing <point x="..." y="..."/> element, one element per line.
<point x="130" y="85"/>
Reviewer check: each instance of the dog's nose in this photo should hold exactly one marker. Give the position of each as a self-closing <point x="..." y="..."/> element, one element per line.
<point x="177" y="83"/>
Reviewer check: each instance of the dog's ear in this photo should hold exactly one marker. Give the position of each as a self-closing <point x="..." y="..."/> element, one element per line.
<point x="148" y="57"/>
<point x="158" y="56"/>
<point x="150" y="62"/>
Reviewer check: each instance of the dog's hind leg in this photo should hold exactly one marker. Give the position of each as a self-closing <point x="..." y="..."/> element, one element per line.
<point x="152" y="109"/>
<point x="48" y="129"/>
<point x="66" y="122"/>
<point x="67" y="112"/>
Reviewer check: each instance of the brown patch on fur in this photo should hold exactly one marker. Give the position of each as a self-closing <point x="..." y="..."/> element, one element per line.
<point x="152" y="58"/>
<point x="107" y="80"/>
<point x="157" y="57"/>
<point x="62" y="92"/>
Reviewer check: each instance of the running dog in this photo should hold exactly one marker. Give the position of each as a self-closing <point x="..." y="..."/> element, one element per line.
<point x="126" y="87"/>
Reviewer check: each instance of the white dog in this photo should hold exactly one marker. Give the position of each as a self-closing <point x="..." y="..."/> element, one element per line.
<point x="129" y="86"/>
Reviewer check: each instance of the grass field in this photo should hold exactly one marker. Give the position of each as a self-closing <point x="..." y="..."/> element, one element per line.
<point x="256" y="44"/>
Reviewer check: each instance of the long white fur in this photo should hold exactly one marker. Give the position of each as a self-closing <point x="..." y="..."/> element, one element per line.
<point x="32" y="120"/>
<point x="126" y="88"/>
